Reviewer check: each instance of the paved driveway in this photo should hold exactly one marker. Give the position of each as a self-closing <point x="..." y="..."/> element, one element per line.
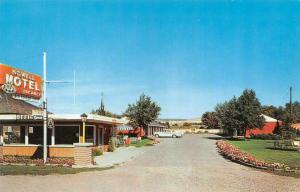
<point x="187" y="164"/>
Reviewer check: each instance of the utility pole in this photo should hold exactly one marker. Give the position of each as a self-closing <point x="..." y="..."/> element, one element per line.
<point x="45" y="115"/>
<point x="45" y="109"/>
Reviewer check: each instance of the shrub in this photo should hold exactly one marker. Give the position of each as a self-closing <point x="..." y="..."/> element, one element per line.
<point x="97" y="152"/>
<point x="187" y="124"/>
<point x="28" y="161"/>
<point x="111" y="145"/>
<point x="269" y="136"/>
<point x="61" y="161"/>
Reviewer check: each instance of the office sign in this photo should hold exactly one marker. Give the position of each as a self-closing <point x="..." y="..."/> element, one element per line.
<point x="28" y="117"/>
<point x="20" y="83"/>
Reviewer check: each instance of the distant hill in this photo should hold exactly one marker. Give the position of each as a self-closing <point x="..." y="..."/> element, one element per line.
<point x="182" y="121"/>
<point x="165" y="120"/>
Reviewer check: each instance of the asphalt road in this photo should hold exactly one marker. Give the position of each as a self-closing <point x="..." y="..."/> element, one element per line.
<point x="186" y="164"/>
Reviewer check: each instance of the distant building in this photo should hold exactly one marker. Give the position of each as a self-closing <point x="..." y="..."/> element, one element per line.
<point x="296" y="126"/>
<point x="154" y="126"/>
<point x="270" y="124"/>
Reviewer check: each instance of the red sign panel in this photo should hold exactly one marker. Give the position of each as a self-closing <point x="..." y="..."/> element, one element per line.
<point x="20" y="82"/>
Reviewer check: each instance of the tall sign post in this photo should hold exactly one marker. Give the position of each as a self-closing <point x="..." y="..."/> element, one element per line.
<point x="28" y="87"/>
<point x="45" y="105"/>
<point x="45" y="109"/>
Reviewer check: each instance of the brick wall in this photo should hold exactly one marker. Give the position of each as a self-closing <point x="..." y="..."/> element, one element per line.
<point x="37" y="151"/>
<point x="32" y="151"/>
<point x="1" y="152"/>
<point x="61" y="151"/>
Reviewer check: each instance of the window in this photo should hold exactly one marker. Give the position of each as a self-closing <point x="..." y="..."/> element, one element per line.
<point x="35" y="135"/>
<point x="89" y="134"/>
<point x="66" y="134"/>
<point x="14" y="134"/>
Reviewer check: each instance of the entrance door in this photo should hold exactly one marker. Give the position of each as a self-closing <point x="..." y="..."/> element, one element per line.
<point x="100" y="136"/>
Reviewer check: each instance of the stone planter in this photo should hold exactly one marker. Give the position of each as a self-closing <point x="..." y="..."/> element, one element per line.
<point x="83" y="154"/>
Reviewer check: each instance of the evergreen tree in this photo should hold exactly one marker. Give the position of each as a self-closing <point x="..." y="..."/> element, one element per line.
<point x="102" y="108"/>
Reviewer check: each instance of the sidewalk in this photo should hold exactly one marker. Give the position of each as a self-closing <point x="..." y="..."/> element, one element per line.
<point x="119" y="156"/>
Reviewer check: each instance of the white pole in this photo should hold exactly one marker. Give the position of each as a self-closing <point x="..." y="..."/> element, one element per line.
<point x="26" y="135"/>
<point x="45" y="109"/>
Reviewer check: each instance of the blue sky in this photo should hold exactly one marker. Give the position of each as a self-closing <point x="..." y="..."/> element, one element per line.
<point x="187" y="55"/>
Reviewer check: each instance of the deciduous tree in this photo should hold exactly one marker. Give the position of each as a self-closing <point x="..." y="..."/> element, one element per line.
<point x="142" y="112"/>
<point x="211" y="120"/>
<point x="250" y="111"/>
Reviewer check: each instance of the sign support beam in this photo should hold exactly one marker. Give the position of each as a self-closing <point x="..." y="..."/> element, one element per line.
<point x="45" y="109"/>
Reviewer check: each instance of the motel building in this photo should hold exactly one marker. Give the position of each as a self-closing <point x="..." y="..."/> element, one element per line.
<point x="21" y="130"/>
<point x="21" y="123"/>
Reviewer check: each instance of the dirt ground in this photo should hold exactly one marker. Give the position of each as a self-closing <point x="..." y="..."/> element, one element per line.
<point x="190" y="163"/>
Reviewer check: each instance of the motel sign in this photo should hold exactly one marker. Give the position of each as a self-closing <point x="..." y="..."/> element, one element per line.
<point x="20" y="83"/>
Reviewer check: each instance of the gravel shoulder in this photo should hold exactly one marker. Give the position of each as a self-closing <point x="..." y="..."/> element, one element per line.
<point x="191" y="163"/>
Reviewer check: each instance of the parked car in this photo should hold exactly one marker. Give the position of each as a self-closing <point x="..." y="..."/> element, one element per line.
<point x="168" y="133"/>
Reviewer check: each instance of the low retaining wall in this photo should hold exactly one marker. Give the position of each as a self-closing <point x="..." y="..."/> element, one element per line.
<point x="1" y="152"/>
<point x="61" y="151"/>
<point x="82" y="153"/>
<point x="37" y="151"/>
<point x="31" y="151"/>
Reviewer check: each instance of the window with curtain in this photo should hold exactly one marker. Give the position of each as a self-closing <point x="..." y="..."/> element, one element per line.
<point x="14" y="134"/>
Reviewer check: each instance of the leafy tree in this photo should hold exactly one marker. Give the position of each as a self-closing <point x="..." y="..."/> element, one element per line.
<point x="277" y="129"/>
<point x="279" y="113"/>
<point x="295" y="117"/>
<point x="238" y="115"/>
<point x="101" y="111"/>
<point x="228" y="115"/>
<point x="167" y="124"/>
<point x="211" y="120"/>
<point x="107" y="114"/>
<point x="142" y="112"/>
<point x="270" y="110"/>
<point x="250" y="111"/>
<point x="283" y="112"/>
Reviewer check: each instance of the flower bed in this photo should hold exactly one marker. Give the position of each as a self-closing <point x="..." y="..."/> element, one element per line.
<point x="17" y="160"/>
<point x="235" y="154"/>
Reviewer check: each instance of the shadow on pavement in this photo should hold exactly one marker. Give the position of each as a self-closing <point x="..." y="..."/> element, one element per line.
<point x="214" y="137"/>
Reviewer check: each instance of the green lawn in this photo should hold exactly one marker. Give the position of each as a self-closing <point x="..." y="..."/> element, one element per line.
<point x="261" y="149"/>
<point x="142" y="143"/>
<point x="43" y="170"/>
